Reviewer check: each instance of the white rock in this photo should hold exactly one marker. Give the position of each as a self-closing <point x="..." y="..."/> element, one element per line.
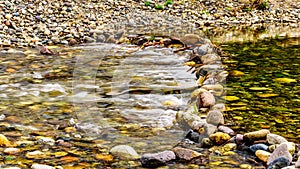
<point x="41" y="166"/>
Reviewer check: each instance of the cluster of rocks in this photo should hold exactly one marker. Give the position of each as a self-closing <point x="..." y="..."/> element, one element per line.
<point x="44" y="22"/>
<point x="205" y="118"/>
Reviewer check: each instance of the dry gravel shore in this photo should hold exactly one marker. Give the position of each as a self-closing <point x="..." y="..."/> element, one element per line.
<point x="37" y="22"/>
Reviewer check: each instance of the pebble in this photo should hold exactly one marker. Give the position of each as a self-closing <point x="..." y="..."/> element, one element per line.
<point x="185" y="154"/>
<point x="262" y="155"/>
<point x="157" y="159"/>
<point x="124" y="152"/>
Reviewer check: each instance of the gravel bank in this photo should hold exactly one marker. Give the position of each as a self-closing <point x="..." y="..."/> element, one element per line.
<point x="31" y="23"/>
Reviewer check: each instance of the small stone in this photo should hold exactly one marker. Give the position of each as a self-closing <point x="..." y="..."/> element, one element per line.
<point x="12" y="151"/>
<point x="157" y="159"/>
<point x="226" y="129"/>
<point x="88" y="39"/>
<point x="275" y="139"/>
<point x="262" y="155"/>
<point x="281" y="150"/>
<point x="124" y="151"/>
<point x="256" y="147"/>
<point x="35" y="154"/>
<point x="41" y="166"/>
<point x="215" y="117"/>
<point x="256" y="135"/>
<point x="185" y="154"/>
<point x="289" y="167"/>
<point x="111" y="39"/>
<point x="279" y="163"/>
<point x="219" y="138"/>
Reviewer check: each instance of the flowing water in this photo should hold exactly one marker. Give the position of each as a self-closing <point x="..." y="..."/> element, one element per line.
<point x="119" y="94"/>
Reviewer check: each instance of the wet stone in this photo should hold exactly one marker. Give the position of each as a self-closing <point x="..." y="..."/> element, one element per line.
<point x="124" y="152"/>
<point x="279" y="163"/>
<point x="210" y="58"/>
<point x="256" y="135"/>
<point x="11" y="151"/>
<point x="280" y="151"/>
<point x="262" y="155"/>
<point x="256" y="147"/>
<point x="209" y="129"/>
<point x="219" y="138"/>
<point x="157" y="159"/>
<point x="185" y="154"/>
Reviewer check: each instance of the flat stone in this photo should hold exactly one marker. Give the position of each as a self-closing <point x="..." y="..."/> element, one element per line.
<point x="256" y="135"/>
<point x="226" y="129"/>
<point x="275" y="139"/>
<point x="157" y="159"/>
<point x="190" y="39"/>
<point x="279" y="163"/>
<point x="215" y="117"/>
<point x="280" y="151"/>
<point x="219" y="138"/>
<point x="262" y="155"/>
<point x="185" y="154"/>
<point x="124" y="152"/>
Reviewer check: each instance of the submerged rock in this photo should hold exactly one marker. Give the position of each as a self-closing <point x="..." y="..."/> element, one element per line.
<point x="185" y="154"/>
<point x="157" y="159"/>
<point x="256" y="135"/>
<point x="124" y="152"/>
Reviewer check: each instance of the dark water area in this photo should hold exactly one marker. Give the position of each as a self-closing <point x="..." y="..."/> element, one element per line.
<point x="263" y="90"/>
